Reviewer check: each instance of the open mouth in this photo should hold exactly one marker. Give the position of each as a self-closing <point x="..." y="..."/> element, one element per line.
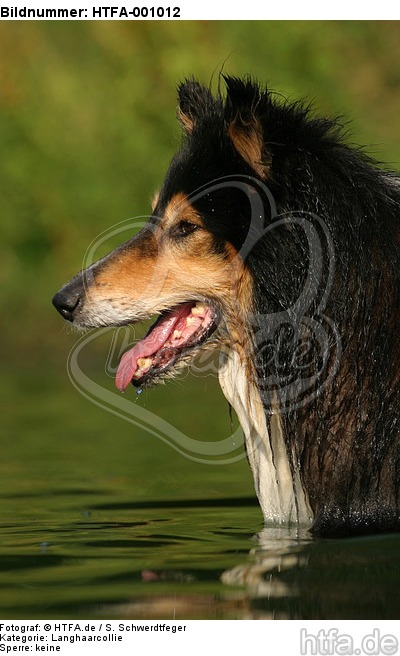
<point x="175" y="332"/>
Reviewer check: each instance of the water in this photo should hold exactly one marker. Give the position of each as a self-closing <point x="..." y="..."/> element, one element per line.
<point x="100" y="520"/>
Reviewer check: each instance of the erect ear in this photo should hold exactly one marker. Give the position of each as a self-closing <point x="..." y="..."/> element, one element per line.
<point x="243" y="108"/>
<point x="195" y="101"/>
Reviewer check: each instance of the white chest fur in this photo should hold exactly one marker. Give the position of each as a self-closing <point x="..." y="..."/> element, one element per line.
<point x="281" y="495"/>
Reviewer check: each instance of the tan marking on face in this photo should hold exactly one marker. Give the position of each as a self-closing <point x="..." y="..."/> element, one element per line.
<point x="178" y="209"/>
<point x="155" y="272"/>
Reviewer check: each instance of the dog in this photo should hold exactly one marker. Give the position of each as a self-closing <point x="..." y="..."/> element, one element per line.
<point x="277" y="243"/>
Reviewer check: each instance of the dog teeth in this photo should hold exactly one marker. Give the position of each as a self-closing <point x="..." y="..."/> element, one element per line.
<point x="199" y="310"/>
<point x="177" y="334"/>
<point x="144" y="364"/>
<point x="190" y="321"/>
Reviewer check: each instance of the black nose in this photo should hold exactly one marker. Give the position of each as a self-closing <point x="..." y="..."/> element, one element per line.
<point x="66" y="301"/>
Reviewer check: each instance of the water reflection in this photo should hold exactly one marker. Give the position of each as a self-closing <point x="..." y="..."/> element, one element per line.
<point x="293" y="576"/>
<point x="95" y="523"/>
<point x="94" y="556"/>
<point x="286" y="574"/>
<point x="278" y="550"/>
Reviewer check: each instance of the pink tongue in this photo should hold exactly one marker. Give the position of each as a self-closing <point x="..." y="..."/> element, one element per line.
<point x="148" y="346"/>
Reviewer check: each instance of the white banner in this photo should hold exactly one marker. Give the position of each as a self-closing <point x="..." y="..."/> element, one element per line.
<point x="70" y="638"/>
<point x="191" y="10"/>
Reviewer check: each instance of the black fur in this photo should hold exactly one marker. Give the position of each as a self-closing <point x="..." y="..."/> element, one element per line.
<point x="344" y="439"/>
<point x="323" y="252"/>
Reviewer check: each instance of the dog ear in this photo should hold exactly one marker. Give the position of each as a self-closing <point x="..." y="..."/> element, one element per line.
<point x="243" y="108"/>
<point x="195" y="101"/>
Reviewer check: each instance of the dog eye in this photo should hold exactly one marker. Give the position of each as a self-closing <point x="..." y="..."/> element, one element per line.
<point x="184" y="228"/>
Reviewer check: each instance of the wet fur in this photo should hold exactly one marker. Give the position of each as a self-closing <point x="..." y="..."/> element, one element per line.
<point x="341" y="446"/>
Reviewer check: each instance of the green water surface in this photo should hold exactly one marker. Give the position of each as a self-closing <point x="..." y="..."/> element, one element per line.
<point x="100" y="519"/>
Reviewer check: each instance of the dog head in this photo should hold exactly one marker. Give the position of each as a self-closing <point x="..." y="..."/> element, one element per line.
<point x="185" y="265"/>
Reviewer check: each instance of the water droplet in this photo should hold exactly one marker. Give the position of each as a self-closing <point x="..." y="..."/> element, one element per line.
<point x="139" y="391"/>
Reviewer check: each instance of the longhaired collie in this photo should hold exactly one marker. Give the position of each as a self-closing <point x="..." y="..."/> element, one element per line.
<point x="276" y="243"/>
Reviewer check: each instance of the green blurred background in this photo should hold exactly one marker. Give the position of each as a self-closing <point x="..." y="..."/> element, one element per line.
<point x="87" y="128"/>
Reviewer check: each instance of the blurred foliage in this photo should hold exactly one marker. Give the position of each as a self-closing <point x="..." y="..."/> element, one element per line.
<point x="87" y="126"/>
